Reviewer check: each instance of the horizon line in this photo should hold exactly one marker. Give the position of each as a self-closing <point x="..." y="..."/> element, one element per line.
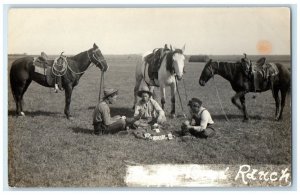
<point x="142" y="54"/>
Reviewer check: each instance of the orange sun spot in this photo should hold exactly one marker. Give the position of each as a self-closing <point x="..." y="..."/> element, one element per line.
<point x="264" y="47"/>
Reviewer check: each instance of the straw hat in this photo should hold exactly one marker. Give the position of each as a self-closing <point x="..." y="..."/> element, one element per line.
<point x="144" y="89"/>
<point x="109" y="92"/>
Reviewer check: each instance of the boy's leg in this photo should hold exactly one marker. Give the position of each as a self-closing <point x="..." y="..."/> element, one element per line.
<point x="115" y="127"/>
<point x="98" y="129"/>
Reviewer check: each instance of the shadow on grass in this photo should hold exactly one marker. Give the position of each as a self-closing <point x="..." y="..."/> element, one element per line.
<point x="229" y="116"/>
<point x="123" y="111"/>
<point x="82" y="130"/>
<point x="240" y="116"/>
<point x="34" y="113"/>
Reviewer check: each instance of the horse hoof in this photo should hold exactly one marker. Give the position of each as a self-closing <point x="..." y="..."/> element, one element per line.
<point x="277" y="119"/>
<point x="21" y="114"/>
<point x="245" y="119"/>
<point x="70" y="118"/>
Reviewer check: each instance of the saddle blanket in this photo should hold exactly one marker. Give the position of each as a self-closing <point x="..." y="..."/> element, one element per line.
<point x="46" y="69"/>
<point x="46" y="72"/>
<point x="40" y="70"/>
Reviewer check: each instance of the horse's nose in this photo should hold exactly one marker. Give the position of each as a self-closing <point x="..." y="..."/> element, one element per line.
<point x="179" y="77"/>
<point x="103" y="66"/>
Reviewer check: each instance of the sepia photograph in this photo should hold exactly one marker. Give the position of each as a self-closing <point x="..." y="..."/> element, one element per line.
<point x="151" y="97"/>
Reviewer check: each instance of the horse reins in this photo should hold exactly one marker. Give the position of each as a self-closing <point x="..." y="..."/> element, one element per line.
<point x="213" y="74"/>
<point x="64" y="70"/>
<point x="177" y="89"/>
<point x="98" y="61"/>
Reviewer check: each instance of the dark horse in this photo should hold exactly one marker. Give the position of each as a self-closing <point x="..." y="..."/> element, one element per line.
<point x="22" y="72"/>
<point x="241" y="84"/>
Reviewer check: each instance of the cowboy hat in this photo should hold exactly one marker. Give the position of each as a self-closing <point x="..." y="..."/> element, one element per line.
<point x="110" y="92"/>
<point x="144" y="89"/>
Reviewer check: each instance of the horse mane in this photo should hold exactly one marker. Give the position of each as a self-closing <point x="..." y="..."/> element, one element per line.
<point x="231" y="67"/>
<point x="77" y="56"/>
<point x="169" y="59"/>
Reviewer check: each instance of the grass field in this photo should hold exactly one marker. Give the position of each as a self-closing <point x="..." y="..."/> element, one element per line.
<point x="46" y="149"/>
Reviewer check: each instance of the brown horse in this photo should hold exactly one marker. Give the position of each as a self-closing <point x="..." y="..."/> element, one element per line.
<point x="242" y="84"/>
<point x="22" y="72"/>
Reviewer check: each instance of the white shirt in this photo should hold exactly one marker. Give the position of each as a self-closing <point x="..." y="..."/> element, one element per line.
<point x="150" y="109"/>
<point x="202" y="119"/>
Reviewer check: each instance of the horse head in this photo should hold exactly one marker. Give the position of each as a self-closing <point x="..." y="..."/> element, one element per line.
<point x="207" y="73"/>
<point x="178" y="62"/>
<point x="96" y="57"/>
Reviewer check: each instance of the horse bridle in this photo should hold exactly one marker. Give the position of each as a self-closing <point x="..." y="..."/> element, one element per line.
<point x="210" y="68"/>
<point x="96" y="61"/>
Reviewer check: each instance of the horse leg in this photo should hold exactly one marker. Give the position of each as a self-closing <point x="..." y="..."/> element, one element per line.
<point x="136" y="89"/>
<point x="283" y="96"/>
<point x="243" y="103"/>
<point x="163" y="96"/>
<point x="151" y="89"/>
<point x="18" y="98"/>
<point x="234" y="98"/>
<point x="241" y="96"/>
<point x="23" y="92"/>
<point x="276" y="97"/>
<point x="68" y="95"/>
<point x="173" y="94"/>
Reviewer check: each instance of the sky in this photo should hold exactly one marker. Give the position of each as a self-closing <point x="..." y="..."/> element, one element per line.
<point x="211" y="31"/>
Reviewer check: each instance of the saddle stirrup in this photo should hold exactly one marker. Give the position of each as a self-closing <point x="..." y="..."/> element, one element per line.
<point x="56" y="88"/>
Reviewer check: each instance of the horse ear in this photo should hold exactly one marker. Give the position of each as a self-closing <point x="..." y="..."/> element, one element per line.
<point x="171" y="47"/>
<point x="183" y="48"/>
<point x="208" y="62"/>
<point x="95" y="46"/>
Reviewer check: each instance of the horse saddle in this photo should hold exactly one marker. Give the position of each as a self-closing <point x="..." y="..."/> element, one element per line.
<point x="50" y="69"/>
<point x="154" y="61"/>
<point x="263" y="73"/>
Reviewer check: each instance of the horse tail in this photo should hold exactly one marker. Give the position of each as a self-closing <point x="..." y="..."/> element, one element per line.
<point x="285" y="77"/>
<point x="18" y="72"/>
<point x="12" y="81"/>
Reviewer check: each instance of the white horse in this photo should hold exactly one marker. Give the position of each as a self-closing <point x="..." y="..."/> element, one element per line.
<point x="172" y="67"/>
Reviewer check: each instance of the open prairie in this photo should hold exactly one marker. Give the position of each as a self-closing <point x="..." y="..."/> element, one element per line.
<point x="46" y="149"/>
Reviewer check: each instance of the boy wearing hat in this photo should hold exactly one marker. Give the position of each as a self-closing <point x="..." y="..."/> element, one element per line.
<point x="147" y="110"/>
<point x="102" y="121"/>
<point x="200" y="121"/>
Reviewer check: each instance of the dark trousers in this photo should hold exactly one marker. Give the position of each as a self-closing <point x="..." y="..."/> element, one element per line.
<point x="115" y="127"/>
<point x="206" y="133"/>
